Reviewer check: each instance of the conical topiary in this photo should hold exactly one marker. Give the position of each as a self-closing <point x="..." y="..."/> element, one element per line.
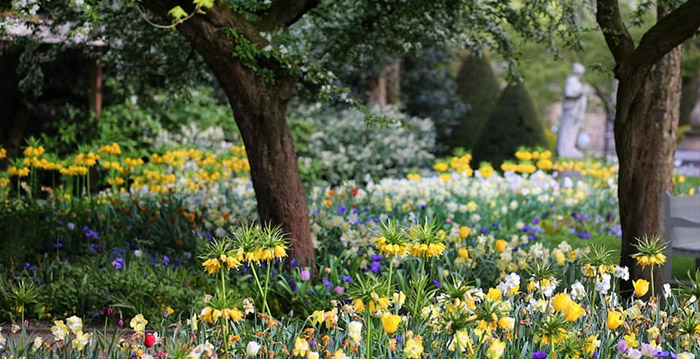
<point x="513" y="123"/>
<point x="478" y="89"/>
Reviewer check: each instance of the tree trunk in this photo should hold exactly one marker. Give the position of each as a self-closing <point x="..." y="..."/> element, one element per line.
<point x="384" y="90"/>
<point x="259" y="107"/>
<point x="646" y="122"/>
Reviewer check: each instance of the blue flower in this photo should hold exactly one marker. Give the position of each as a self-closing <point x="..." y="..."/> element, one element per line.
<point x="341" y="209"/>
<point x="327" y="283"/>
<point x="166" y="260"/>
<point x="118" y="263"/>
<point x="538" y="355"/>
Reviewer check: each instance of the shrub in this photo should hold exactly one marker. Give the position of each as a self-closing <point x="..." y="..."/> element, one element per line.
<point x="514" y="123"/>
<point x="478" y="88"/>
<point x="342" y="146"/>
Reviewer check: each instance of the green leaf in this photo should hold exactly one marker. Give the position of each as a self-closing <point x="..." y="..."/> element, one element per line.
<point x="177" y="12"/>
<point x="204" y="3"/>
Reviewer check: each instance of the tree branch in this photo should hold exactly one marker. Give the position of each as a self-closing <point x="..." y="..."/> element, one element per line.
<point x="284" y="13"/>
<point x="669" y="32"/>
<point x="616" y="35"/>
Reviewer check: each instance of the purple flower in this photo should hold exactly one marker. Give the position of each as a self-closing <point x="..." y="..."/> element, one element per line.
<point x="29" y="267"/>
<point x="166" y="314"/>
<point x="346" y="278"/>
<point x="341" y="209"/>
<point x="375" y="267"/>
<point x="108" y="311"/>
<point x="305" y="275"/>
<point x="93" y="248"/>
<point x="166" y="260"/>
<point x="120" y="322"/>
<point x="118" y="263"/>
<point x="58" y="245"/>
<point x="339" y="290"/>
<point x="437" y="283"/>
<point x="327" y="283"/>
<point x="484" y="230"/>
<point x="293" y="262"/>
<point x="535" y="221"/>
<point x="538" y="355"/>
<point x="622" y="346"/>
<point x="376" y="258"/>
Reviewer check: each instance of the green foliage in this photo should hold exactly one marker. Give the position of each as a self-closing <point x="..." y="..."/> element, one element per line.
<point x="334" y="146"/>
<point x="429" y="90"/>
<point x="513" y="123"/>
<point x="479" y="89"/>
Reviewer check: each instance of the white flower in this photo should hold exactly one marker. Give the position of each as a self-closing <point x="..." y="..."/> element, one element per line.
<point x="602" y="285"/>
<point x="252" y="349"/>
<point x="355" y="331"/>
<point x="578" y="291"/>
<point x="667" y="290"/>
<point x="622" y="273"/>
<point x="37" y="342"/>
<point x="75" y="324"/>
<point x="634" y="353"/>
<point x="3" y="341"/>
<point x="685" y="356"/>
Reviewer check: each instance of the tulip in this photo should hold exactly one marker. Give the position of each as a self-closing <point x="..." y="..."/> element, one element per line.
<point x="252" y="349"/>
<point x="614" y="320"/>
<point x="390" y="322"/>
<point x="641" y="287"/>
<point x="149" y="340"/>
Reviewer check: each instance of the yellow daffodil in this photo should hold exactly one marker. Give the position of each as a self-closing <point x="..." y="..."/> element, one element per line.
<point x="413" y="348"/>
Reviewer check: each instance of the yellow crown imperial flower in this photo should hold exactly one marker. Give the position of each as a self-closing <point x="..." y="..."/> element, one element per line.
<point x="212" y="265"/>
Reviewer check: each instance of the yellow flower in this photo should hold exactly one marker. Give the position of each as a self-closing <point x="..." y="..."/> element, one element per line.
<point x="573" y="311"/>
<point x="641" y="287"/>
<point x="560" y="302"/>
<point x="138" y="323"/>
<point x="463" y="253"/>
<point x="462" y="339"/>
<point x="495" y="350"/>
<point x="494" y="294"/>
<point x="464" y="232"/>
<point x="301" y="346"/>
<point x="507" y="323"/>
<point x="413" y="348"/>
<point x="80" y="341"/>
<point x="591" y="343"/>
<point x="501" y="245"/>
<point x="359" y="305"/>
<point x="441" y="167"/>
<point x="206" y="315"/>
<point x="631" y="340"/>
<point x="280" y="251"/>
<point x="232" y="314"/>
<point x="615" y="319"/>
<point x="313" y="355"/>
<point x="59" y="330"/>
<point x="211" y="265"/>
<point x="390" y="322"/>
<point x="339" y="354"/>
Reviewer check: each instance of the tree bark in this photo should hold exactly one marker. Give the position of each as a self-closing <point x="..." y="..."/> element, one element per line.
<point x="646" y="123"/>
<point x="259" y="108"/>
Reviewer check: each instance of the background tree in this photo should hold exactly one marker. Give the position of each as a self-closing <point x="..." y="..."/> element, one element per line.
<point x="647" y="112"/>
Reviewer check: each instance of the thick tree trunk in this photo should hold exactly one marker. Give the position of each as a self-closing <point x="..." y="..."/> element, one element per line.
<point x="259" y="107"/>
<point x="646" y="122"/>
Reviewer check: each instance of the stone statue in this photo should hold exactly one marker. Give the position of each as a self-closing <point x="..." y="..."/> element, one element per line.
<point x="572" y="114"/>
